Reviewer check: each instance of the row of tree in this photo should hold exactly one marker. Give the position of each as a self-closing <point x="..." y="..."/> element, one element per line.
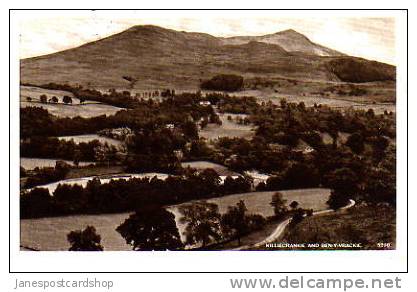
<point x="126" y="195"/>
<point x="44" y="99"/>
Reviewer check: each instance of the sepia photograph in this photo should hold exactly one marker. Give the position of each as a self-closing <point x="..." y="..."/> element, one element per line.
<point x="207" y="132"/>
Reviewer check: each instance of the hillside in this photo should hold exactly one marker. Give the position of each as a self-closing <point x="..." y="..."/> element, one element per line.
<point x="369" y="226"/>
<point x="157" y="57"/>
<point x="290" y="40"/>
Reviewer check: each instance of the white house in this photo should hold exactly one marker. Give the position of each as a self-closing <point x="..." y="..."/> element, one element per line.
<point x="205" y="103"/>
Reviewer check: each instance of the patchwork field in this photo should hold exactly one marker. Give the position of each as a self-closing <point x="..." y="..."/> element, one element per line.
<point x="310" y="100"/>
<point x="50" y="233"/>
<point x="144" y="59"/>
<point x="330" y="91"/>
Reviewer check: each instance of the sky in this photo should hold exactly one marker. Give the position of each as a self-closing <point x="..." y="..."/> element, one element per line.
<point x="370" y="37"/>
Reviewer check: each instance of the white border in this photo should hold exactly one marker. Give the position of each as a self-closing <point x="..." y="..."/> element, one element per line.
<point x="225" y="261"/>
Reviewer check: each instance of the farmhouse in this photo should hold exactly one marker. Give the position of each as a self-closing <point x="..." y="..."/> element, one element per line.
<point x="205" y="103"/>
<point x="169" y="126"/>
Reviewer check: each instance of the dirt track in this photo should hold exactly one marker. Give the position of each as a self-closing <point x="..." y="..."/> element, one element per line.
<point x="281" y="227"/>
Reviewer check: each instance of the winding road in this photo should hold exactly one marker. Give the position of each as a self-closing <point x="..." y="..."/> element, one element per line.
<point x="282" y="225"/>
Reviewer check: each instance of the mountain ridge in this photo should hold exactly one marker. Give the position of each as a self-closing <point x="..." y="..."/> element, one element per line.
<point x="160" y="57"/>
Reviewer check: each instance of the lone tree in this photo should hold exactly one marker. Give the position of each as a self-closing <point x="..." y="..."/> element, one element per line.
<point x="294" y="205"/>
<point x="203" y="222"/>
<point x="279" y="205"/>
<point x="86" y="240"/>
<point x="67" y="99"/>
<point x="43" y="98"/>
<point x="234" y="221"/>
<point x="151" y="228"/>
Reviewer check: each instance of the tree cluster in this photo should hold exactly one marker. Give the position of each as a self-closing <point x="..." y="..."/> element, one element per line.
<point x="44" y="147"/>
<point x="223" y="82"/>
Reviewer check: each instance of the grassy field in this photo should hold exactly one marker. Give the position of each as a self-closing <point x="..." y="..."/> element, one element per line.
<point x="227" y="129"/>
<point x="341" y="102"/>
<point x="258" y="202"/>
<point x="32" y="163"/>
<point x="70" y="111"/>
<point x="35" y="92"/>
<point x="51" y="233"/>
<point x="91" y="137"/>
<point x="87" y="109"/>
<point x="321" y="91"/>
<point x="94" y="170"/>
<point x="368" y="225"/>
<point x="201" y="165"/>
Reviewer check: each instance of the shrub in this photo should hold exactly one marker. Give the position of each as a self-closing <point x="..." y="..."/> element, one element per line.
<point x="85" y="240"/>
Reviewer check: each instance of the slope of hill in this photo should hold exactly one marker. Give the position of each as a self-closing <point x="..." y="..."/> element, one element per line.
<point x="361" y="70"/>
<point x="157" y="58"/>
<point x="290" y="40"/>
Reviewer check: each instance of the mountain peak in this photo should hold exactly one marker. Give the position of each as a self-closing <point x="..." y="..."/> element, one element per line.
<point x="291" y="33"/>
<point x="147" y="28"/>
